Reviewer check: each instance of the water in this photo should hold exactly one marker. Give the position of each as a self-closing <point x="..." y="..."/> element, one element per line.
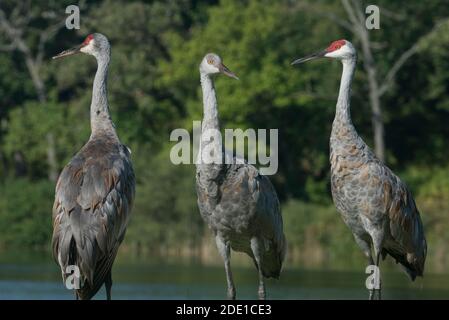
<point x="40" y="279"/>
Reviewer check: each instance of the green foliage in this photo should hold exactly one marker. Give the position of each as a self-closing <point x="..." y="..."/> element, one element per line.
<point x="165" y="210"/>
<point x="255" y="45"/>
<point x="25" y="218"/>
<point x="154" y="88"/>
<point x="28" y="130"/>
<point x="317" y="236"/>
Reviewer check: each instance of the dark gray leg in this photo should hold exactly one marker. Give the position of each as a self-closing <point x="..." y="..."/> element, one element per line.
<point x="372" y="291"/>
<point x="366" y="248"/>
<point x="108" y="285"/>
<point x="380" y="278"/>
<point x="225" y="252"/>
<point x="378" y="236"/>
<point x="256" y="247"/>
<point x="376" y="231"/>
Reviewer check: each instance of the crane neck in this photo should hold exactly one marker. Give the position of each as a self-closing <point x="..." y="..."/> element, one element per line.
<point x="210" y="124"/>
<point x="210" y="105"/>
<point x="343" y="109"/>
<point x="100" y="118"/>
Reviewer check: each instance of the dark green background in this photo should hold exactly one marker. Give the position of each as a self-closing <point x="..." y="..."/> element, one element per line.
<point x="154" y="88"/>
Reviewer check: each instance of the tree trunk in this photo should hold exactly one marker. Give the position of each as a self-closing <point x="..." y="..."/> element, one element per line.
<point x="377" y="120"/>
<point x="33" y="64"/>
<point x="33" y="70"/>
<point x="357" y="17"/>
<point x="51" y="158"/>
<point x="374" y="95"/>
<point x="52" y="163"/>
<point x="20" y="168"/>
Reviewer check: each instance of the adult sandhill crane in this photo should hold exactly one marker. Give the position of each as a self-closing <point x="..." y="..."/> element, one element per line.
<point x="238" y="203"/>
<point x="374" y="203"/>
<point x="95" y="191"/>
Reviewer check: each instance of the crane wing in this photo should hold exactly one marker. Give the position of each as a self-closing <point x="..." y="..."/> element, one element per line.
<point x="268" y="218"/>
<point x="406" y="228"/>
<point x="389" y="197"/>
<point x="93" y="198"/>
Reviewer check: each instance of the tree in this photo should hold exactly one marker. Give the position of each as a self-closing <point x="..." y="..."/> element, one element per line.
<point x="258" y="40"/>
<point x="19" y="28"/>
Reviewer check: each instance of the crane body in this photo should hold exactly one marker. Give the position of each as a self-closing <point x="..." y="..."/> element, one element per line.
<point x="239" y="204"/>
<point x="95" y="191"/>
<point x="374" y="203"/>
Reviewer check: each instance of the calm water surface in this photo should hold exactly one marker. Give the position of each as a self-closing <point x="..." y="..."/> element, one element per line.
<point x="25" y="279"/>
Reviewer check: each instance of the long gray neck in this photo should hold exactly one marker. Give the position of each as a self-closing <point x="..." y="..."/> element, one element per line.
<point x="210" y="106"/>
<point x="343" y="110"/>
<point x="210" y="118"/>
<point x="100" y="119"/>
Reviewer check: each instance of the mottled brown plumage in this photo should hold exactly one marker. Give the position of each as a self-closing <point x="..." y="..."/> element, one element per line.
<point x="94" y="192"/>
<point x="374" y="203"/>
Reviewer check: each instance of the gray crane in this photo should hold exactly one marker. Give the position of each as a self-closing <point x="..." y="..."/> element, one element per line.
<point x="373" y="202"/>
<point x="95" y="190"/>
<point x="238" y="203"/>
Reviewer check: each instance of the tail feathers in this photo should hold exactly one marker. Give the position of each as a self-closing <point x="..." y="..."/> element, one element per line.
<point x="93" y="271"/>
<point x="102" y="272"/>
<point x="69" y="252"/>
<point x="413" y="269"/>
<point x="271" y="267"/>
<point x="273" y="259"/>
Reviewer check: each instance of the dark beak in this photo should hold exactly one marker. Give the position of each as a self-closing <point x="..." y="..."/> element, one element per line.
<point x="223" y="69"/>
<point x="68" y="52"/>
<point x="312" y="56"/>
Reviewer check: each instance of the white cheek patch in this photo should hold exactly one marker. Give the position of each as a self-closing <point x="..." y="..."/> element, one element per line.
<point x="212" y="69"/>
<point x="89" y="48"/>
<point x="333" y="54"/>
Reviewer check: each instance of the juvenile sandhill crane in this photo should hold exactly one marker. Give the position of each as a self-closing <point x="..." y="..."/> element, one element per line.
<point x="238" y="203"/>
<point x="95" y="191"/>
<point x="374" y="203"/>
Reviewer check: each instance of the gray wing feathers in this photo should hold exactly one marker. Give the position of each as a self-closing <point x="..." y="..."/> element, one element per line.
<point x="91" y="212"/>
<point x="406" y="228"/>
<point x="240" y="204"/>
<point x="268" y="218"/>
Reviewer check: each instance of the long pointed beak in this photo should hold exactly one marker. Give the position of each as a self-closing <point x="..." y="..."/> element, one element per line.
<point x="223" y="69"/>
<point x="312" y="56"/>
<point x="68" y="52"/>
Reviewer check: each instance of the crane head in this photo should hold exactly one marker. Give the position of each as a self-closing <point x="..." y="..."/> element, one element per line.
<point x="340" y="49"/>
<point x="212" y="64"/>
<point x="93" y="44"/>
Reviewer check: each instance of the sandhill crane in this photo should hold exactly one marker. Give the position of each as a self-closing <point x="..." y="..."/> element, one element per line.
<point x="374" y="203"/>
<point x="95" y="191"/>
<point x="238" y="203"/>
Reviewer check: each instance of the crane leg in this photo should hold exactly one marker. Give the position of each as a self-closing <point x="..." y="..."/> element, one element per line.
<point x="377" y="235"/>
<point x="225" y="251"/>
<point x="372" y="291"/>
<point x="366" y="248"/>
<point x="108" y="285"/>
<point x="379" y="291"/>
<point x="377" y="244"/>
<point x="257" y="252"/>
